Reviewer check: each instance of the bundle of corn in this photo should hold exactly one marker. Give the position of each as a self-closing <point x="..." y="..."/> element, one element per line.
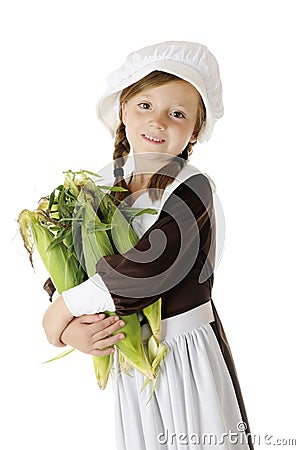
<point x="72" y="229"/>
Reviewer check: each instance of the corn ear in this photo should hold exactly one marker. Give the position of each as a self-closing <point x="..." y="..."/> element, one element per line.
<point x="95" y="244"/>
<point x="122" y="234"/>
<point x="102" y="366"/>
<point x="132" y="347"/>
<point x="153" y="315"/>
<point x="156" y="349"/>
<point x="156" y="352"/>
<point x="72" y="229"/>
<point x="124" y="363"/>
<point x="59" y="262"/>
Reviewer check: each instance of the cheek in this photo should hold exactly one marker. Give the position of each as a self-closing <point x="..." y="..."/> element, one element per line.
<point x="130" y="118"/>
<point x="124" y="113"/>
<point x="185" y="133"/>
<point x="187" y="137"/>
<point x="130" y="133"/>
<point x="127" y="133"/>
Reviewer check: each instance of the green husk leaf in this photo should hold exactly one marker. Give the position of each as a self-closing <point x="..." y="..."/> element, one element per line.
<point x="61" y="355"/>
<point x="132" y="213"/>
<point x="113" y="188"/>
<point x="153" y="314"/>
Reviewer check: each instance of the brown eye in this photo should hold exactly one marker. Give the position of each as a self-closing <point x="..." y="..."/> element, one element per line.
<point x="178" y="115"/>
<point x="144" y="105"/>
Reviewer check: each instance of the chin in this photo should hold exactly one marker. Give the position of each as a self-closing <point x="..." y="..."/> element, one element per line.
<point x="154" y="154"/>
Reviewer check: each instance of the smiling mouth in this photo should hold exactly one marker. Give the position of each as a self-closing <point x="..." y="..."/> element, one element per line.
<point x="156" y="140"/>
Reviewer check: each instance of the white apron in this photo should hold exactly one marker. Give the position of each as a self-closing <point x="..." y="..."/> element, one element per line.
<point x="194" y="405"/>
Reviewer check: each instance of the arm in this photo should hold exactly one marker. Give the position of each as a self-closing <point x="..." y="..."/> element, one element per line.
<point x="88" y="333"/>
<point x="160" y="260"/>
<point x="59" y="314"/>
<point x="181" y="238"/>
<point x="55" y="320"/>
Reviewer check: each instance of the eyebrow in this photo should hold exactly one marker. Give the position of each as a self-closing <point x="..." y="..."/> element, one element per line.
<point x="149" y="96"/>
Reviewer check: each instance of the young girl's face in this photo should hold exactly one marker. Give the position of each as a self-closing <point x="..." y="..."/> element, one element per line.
<point x="162" y="119"/>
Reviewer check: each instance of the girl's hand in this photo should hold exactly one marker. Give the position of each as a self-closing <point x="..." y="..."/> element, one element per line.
<point x="91" y="333"/>
<point x="55" y="320"/>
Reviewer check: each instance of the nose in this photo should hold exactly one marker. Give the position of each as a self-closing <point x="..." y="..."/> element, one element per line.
<point x="157" y="120"/>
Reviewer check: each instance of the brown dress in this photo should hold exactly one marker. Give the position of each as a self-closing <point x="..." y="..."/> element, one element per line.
<point x="174" y="259"/>
<point x="171" y="267"/>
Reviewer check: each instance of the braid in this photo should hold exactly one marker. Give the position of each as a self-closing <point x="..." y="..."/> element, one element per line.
<point x="166" y="175"/>
<point x="120" y="154"/>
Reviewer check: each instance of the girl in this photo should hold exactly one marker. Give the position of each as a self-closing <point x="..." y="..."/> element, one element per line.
<point x="162" y="101"/>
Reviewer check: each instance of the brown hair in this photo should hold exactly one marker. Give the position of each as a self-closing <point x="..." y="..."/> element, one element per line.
<point x="166" y="174"/>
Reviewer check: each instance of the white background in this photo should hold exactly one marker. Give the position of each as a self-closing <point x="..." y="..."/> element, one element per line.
<point x="55" y="56"/>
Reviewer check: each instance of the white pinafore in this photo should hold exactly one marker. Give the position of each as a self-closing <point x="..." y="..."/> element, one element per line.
<point x="194" y="405"/>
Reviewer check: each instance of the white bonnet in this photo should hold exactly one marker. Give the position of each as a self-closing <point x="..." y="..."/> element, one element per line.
<point x="189" y="61"/>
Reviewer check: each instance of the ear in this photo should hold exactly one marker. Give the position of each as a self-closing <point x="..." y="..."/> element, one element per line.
<point x="124" y="112"/>
<point x="193" y="139"/>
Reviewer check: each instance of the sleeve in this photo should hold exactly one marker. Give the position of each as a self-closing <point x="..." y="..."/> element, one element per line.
<point x="165" y="253"/>
<point x="89" y="297"/>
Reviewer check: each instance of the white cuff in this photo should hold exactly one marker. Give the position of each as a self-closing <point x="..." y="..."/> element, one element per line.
<point x="89" y="297"/>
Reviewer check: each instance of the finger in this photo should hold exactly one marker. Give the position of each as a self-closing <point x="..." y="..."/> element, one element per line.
<point x="92" y="318"/>
<point x="101" y="319"/>
<point x="110" y="320"/>
<point x="99" y="334"/>
<point x="104" y="328"/>
<point x="108" y="342"/>
<point x="98" y="352"/>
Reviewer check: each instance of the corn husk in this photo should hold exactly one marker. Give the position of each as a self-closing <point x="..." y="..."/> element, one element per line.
<point x="102" y="367"/>
<point x="72" y="229"/>
<point x="63" y="266"/>
<point x="95" y="244"/>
